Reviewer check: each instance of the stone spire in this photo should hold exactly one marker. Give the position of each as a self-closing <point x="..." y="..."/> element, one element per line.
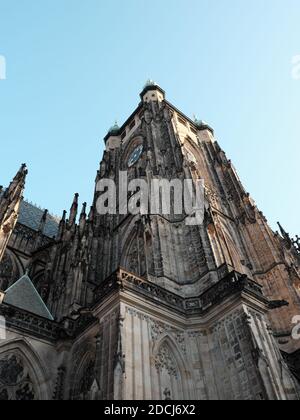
<point x="62" y="225"/>
<point x="74" y="210"/>
<point x="285" y="235"/>
<point x="10" y="202"/>
<point x="43" y="222"/>
<point x="40" y="232"/>
<point x="17" y="183"/>
<point x="82" y="219"/>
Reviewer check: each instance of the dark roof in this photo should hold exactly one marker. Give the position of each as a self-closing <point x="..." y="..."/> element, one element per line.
<point x="150" y="85"/>
<point x="31" y="216"/>
<point x="203" y="126"/>
<point x="23" y="295"/>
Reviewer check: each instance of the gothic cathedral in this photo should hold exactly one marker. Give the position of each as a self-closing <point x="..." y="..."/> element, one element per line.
<point x="147" y="307"/>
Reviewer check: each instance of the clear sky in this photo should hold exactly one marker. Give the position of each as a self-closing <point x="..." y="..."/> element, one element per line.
<point x="74" y="67"/>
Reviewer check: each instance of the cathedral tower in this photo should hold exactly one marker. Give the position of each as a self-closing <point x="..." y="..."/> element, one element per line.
<point x="146" y="303"/>
<point x="198" y="308"/>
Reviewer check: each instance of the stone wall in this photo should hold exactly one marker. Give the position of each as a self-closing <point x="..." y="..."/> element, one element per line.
<point x="28" y="368"/>
<point x="232" y="358"/>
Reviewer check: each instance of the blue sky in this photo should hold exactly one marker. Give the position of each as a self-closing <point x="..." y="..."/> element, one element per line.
<point x="74" y="67"/>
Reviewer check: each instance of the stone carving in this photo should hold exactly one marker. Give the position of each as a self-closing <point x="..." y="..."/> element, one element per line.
<point x="193" y="304"/>
<point x="167" y="394"/>
<point x="158" y="329"/>
<point x="165" y="360"/>
<point x="59" y="387"/>
<point x="231" y="283"/>
<point x="87" y="379"/>
<point x="133" y="259"/>
<point x="26" y="233"/>
<point x="83" y="265"/>
<point x="84" y="379"/>
<point x="43" y="286"/>
<point x="151" y="289"/>
<point x="136" y="262"/>
<point x="196" y="334"/>
<point x="6" y="271"/>
<point x="148" y="116"/>
<point x="38" y="327"/>
<point x="15" y="380"/>
<point x="59" y="289"/>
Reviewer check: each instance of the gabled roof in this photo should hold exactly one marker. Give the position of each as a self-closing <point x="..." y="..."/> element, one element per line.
<point x="23" y="295"/>
<point x="31" y="216"/>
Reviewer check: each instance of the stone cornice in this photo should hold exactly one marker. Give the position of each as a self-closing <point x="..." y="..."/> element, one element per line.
<point x="44" y="329"/>
<point x="29" y="323"/>
<point x="231" y="284"/>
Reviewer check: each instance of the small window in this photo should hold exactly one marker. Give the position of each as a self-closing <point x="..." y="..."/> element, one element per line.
<point x="193" y="130"/>
<point x="132" y="125"/>
<point x="124" y="134"/>
<point x="182" y="121"/>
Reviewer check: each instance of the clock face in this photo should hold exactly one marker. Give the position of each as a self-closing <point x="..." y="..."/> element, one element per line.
<point x="135" y="156"/>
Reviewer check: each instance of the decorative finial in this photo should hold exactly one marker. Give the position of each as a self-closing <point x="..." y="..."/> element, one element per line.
<point x="296" y="243"/>
<point x="198" y="122"/>
<point x="150" y="82"/>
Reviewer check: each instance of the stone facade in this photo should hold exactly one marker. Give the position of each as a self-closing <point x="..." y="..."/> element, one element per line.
<point x="148" y="307"/>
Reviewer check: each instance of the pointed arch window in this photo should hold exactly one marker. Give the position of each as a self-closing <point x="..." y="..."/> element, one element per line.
<point x="15" y="380"/>
<point x="171" y="373"/>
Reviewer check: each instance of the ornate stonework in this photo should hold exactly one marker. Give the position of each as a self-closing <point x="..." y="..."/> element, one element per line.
<point x="159" y="329"/>
<point x="15" y="380"/>
<point x="146" y="306"/>
<point x="165" y="360"/>
<point x="6" y="271"/>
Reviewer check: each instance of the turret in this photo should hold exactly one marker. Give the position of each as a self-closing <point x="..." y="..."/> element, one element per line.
<point x="152" y="92"/>
<point x="74" y="210"/>
<point x="10" y="202"/>
<point x="113" y="137"/>
<point x="62" y="225"/>
<point x="82" y="219"/>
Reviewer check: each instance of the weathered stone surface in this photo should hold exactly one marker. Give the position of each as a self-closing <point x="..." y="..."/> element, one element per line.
<point x="147" y="307"/>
